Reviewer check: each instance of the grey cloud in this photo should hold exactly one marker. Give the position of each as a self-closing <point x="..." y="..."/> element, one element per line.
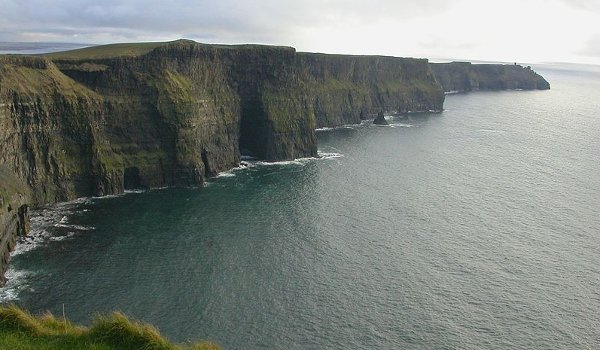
<point x="225" y="20"/>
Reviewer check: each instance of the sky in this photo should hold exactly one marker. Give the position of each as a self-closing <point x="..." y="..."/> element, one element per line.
<point x="525" y="31"/>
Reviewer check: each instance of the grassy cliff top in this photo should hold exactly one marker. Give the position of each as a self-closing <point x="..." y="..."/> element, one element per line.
<point x="323" y="55"/>
<point x="20" y="330"/>
<point x="107" y="51"/>
<point x="140" y="49"/>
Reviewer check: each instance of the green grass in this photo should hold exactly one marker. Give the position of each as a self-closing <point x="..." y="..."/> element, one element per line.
<point x="106" y="51"/>
<point x="37" y="76"/>
<point x="142" y="48"/>
<point x="21" y="330"/>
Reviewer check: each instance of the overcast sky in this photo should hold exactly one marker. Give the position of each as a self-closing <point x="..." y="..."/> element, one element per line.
<point x="509" y="30"/>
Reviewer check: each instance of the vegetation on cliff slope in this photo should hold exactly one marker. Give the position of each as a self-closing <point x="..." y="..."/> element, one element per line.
<point x="20" y="330"/>
<point x="107" y="51"/>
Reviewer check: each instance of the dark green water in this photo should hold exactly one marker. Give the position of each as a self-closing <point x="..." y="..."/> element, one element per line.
<point x="474" y="228"/>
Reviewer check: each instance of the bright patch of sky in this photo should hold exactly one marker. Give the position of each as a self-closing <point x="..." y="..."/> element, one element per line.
<point x="508" y="30"/>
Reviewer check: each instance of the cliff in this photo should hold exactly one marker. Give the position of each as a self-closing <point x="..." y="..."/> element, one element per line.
<point x="347" y="89"/>
<point x="172" y="116"/>
<point x="465" y="76"/>
<point x="14" y="217"/>
<point x="100" y="120"/>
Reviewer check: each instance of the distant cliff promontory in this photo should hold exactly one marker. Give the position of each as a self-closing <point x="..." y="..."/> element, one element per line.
<point x="100" y="120"/>
<point x="465" y="76"/>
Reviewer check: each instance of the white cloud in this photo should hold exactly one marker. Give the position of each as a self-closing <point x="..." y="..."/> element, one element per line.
<point x="586" y="5"/>
<point x="592" y="47"/>
<point x="513" y="30"/>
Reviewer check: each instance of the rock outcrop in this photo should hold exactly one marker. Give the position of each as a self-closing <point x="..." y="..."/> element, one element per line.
<point x="380" y="119"/>
<point x="465" y="76"/>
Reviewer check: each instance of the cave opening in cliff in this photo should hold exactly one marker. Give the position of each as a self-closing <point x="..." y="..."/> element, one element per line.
<point x="132" y="179"/>
<point x="208" y="172"/>
<point x="253" y="134"/>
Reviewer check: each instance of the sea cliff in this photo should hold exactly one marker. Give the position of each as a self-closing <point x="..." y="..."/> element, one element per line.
<point x="347" y="89"/>
<point x="14" y="215"/>
<point x="101" y="120"/>
<point x="465" y="76"/>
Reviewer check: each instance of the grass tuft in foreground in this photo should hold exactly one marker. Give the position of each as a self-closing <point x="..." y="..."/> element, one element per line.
<point x="21" y="330"/>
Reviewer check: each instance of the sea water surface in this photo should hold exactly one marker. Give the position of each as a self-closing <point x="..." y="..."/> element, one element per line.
<point x="475" y="228"/>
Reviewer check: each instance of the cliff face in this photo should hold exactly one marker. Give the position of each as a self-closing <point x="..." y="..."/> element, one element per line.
<point x="166" y="118"/>
<point x="276" y="121"/>
<point x="85" y="124"/>
<point x="46" y="123"/>
<point x="464" y="76"/>
<point x="14" y="217"/>
<point x="347" y="89"/>
<point x="174" y="116"/>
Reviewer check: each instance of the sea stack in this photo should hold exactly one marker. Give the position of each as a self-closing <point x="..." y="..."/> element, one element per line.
<point x="380" y="120"/>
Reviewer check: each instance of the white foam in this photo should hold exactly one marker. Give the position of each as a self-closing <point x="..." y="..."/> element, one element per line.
<point x="329" y="155"/>
<point x="249" y="164"/>
<point x="401" y="125"/>
<point x="75" y="227"/>
<point x="298" y="161"/>
<point x="108" y="196"/>
<point x="17" y="281"/>
<point x="52" y="216"/>
<point x="30" y="242"/>
<point x="244" y="164"/>
<point x="342" y="127"/>
<point x="228" y="173"/>
<point x="62" y="238"/>
<point x="134" y="191"/>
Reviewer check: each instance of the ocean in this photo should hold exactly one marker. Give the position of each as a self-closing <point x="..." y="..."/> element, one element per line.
<point x="474" y="228"/>
<point x="34" y="48"/>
